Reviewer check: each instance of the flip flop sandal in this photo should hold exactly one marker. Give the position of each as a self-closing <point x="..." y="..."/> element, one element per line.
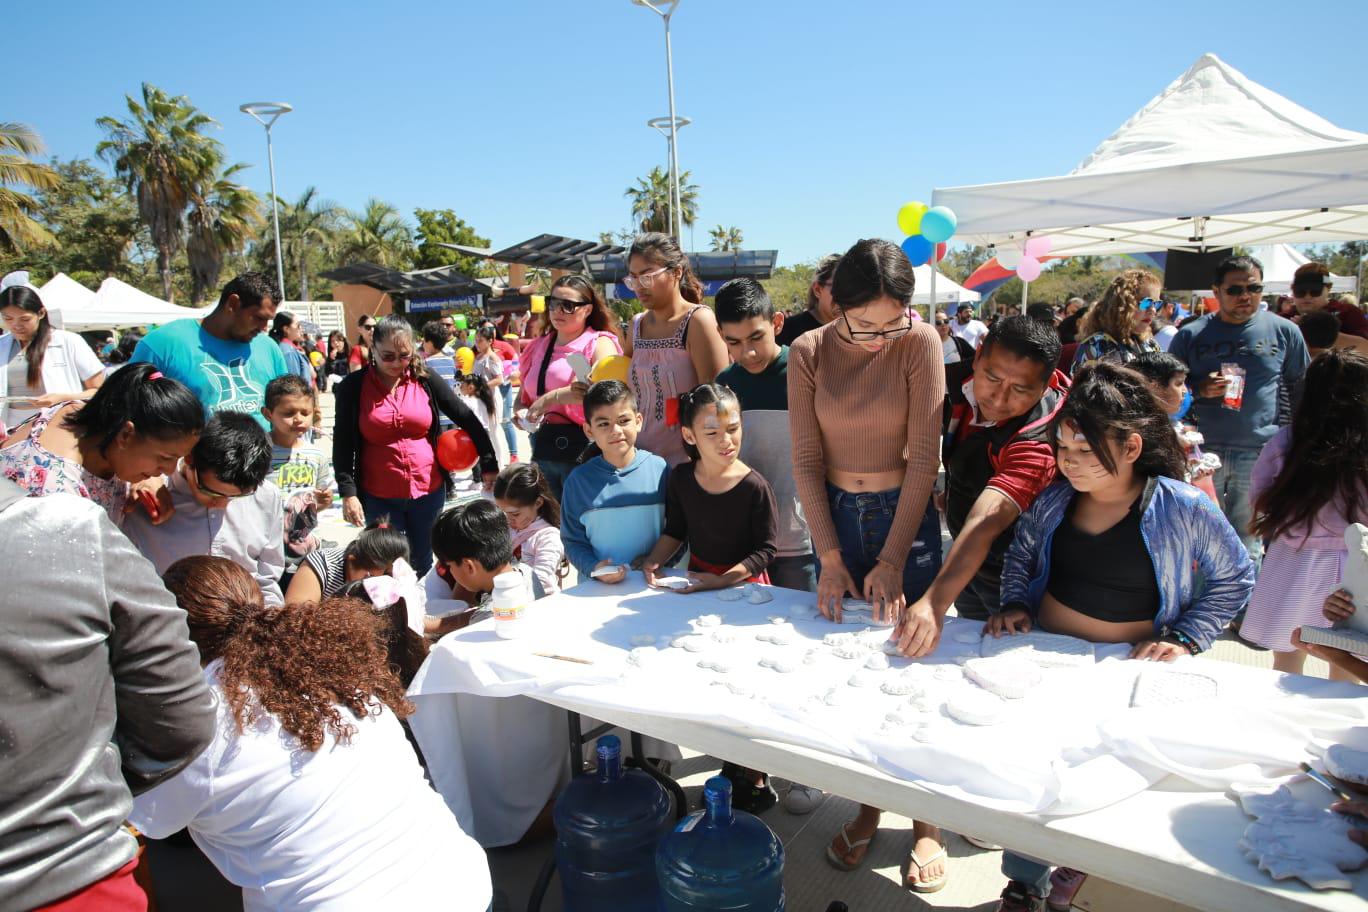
<point x="838" y="861"/>
<point x="926" y="886"/>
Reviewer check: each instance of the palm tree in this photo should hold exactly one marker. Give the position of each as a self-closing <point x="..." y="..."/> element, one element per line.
<point x="308" y="222"/>
<point x="377" y="234"/>
<point x="224" y="216"/>
<point x="159" y="153"/>
<point x="728" y="239"/>
<point x="18" y="230"/>
<point x="651" y="203"/>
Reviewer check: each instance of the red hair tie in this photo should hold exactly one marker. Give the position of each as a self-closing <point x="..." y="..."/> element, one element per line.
<point x="156" y="375"/>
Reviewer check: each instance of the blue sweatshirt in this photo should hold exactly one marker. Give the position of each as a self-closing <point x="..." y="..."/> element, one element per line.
<point x="613" y="514"/>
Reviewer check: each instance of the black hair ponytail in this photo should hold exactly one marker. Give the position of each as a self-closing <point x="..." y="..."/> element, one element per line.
<point x="157" y="406"/>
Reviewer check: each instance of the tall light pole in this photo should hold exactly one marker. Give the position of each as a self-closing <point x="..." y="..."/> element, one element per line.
<point x="669" y="128"/>
<point x="266" y="113"/>
<point x="665" y="9"/>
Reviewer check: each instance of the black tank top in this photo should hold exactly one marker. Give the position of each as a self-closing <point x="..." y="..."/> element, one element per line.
<point x="1110" y="576"/>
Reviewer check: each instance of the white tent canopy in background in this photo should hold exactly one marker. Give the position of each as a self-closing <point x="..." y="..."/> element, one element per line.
<point x="947" y="290"/>
<point x="1280" y="262"/>
<point x="118" y="304"/>
<point x="65" y="295"/>
<point x="1214" y="160"/>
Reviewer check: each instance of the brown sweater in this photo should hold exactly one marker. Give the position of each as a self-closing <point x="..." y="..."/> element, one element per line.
<point x="860" y="411"/>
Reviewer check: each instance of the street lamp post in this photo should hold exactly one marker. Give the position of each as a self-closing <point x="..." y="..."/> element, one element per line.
<point x="266" y="113"/>
<point x="669" y="127"/>
<point x="665" y="9"/>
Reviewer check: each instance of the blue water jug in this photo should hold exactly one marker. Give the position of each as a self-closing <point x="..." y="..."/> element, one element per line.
<point x="608" y="825"/>
<point x="720" y="859"/>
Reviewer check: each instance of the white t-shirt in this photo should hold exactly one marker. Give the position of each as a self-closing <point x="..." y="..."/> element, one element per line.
<point x="950" y="350"/>
<point x="1165" y="335"/>
<point x="352" y="827"/>
<point x="971" y="332"/>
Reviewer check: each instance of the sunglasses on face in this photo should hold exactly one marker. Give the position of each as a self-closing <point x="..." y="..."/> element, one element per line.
<point x="391" y="357"/>
<point x="565" y="305"/>
<point x="1152" y="303"/>
<point x="368" y="327"/>
<point x="1309" y="289"/>
<point x="1236" y="291"/>
<point x="942" y="322"/>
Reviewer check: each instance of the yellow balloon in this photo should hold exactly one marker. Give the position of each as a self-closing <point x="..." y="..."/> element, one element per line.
<point x="613" y="367"/>
<point x="538" y="304"/>
<point x="910" y="216"/>
<point x="465" y="359"/>
<point x="316" y="358"/>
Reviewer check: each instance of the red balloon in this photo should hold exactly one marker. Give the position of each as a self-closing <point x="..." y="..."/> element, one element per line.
<point x="456" y="451"/>
<point x="940" y="252"/>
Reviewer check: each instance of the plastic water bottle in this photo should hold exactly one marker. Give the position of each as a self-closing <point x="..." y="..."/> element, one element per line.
<point x="607" y="828"/>
<point x="509" y="603"/>
<point x="720" y="859"/>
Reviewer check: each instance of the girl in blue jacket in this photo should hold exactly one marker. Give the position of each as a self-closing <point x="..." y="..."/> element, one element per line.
<point x="1114" y="550"/>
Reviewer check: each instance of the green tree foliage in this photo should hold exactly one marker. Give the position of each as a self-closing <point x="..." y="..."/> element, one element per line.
<point x="442" y="226"/>
<point x="651" y="203"/>
<point x="309" y="232"/>
<point x="223" y="216"/>
<point x="788" y="286"/>
<point x="377" y="234"/>
<point x="165" y="159"/>
<point x="727" y="239"/>
<point x="19" y="230"/>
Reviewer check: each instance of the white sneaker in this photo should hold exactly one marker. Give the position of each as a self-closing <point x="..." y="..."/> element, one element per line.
<point x="801" y="799"/>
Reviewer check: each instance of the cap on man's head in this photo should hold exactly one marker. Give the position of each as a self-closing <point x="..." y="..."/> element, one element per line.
<point x="963" y="307"/>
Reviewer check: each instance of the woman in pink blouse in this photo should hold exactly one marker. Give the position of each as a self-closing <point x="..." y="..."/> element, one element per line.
<point x="385" y="439"/>
<point x="580" y="324"/>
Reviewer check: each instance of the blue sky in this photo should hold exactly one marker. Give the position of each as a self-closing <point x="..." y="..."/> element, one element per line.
<point x="813" y="120"/>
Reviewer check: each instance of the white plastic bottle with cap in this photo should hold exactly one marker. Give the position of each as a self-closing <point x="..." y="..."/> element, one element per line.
<point x="509" y="604"/>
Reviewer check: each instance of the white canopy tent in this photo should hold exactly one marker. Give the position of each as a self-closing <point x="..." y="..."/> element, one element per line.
<point x="1214" y="160"/>
<point x="65" y="295"/>
<point x="1280" y="262"/>
<point x="119" y="304"/>
<point x="948" y="291"/>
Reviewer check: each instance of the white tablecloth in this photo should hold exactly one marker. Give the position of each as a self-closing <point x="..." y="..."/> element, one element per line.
<point x="1072" y="745"/>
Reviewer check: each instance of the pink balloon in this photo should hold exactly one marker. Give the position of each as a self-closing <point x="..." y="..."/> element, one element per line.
<point x="1037" y="247"/>
<point x="1028" y="270"/>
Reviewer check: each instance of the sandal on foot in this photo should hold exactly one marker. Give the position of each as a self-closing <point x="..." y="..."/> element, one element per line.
<point x="839" y="861"/>
<point x="926" y="886"/>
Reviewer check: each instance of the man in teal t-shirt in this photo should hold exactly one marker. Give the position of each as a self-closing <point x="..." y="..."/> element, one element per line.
<point x="226" y="359"/>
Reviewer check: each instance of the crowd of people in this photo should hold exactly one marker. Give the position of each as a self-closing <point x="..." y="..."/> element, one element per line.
<point x="1123" y="472"/>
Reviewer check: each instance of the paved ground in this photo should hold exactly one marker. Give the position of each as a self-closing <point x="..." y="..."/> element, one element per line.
<point x="186" y="882"/>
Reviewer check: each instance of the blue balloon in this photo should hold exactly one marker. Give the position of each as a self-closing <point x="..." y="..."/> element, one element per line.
<point x="938" y="224"/>
<point x="917" y="248"/>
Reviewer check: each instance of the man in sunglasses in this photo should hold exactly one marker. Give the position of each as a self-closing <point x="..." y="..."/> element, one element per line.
<point x="1242" y="363"/>
<point x="223" y="506"/>
<point x="1311" y="294"/>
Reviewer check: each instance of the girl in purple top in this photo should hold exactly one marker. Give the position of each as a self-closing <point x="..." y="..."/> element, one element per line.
<point x="1310" y="482"/>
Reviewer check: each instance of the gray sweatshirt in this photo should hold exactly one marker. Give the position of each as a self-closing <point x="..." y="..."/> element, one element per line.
<point x="250" y="533"/>
<point x="101" y="694"/>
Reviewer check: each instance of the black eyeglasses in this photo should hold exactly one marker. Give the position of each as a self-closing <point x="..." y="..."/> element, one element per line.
<point x="368" y="326"/>
<point x="1309" y="289"/>
<point x="942" y="322"/>
<point x="869" y="335"/>
<point x="391" y="357"/>
<point x="1236" y="291"/>
<point x="210" y="492"/>
<point x="565" y="304"/>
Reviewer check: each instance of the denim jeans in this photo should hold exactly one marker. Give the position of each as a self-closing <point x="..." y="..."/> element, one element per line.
<point x="413" y="517"/>
<point x="862" y="523"/>
<point x="1232" y="493"/>
<point x="797" y="571"/>
<point x="1031" y="874"/>
<point x="510" y="434"/>
<point x="556" y="473"/>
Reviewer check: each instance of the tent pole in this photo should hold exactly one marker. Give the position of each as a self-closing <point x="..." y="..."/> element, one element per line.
<point x="1025" y="295"/>
<point x="931" y="308"/>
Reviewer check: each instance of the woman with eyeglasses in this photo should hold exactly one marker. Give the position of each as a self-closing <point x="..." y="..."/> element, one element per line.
<point x="579" y="325"/>
<point x="674" y="346"/>
<point x="359" y="356"/>
<point x="1120" y="327"/>
<point x="385" y="439"/>
<point x="865" y="398"/>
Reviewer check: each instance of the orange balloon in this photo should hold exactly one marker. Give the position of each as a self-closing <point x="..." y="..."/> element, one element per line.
<point x="456" y="451"/>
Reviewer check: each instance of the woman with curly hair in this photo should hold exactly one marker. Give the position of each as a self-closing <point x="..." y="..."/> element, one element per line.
<point x="1310" y="482"/>
<point x="309" y="794"/>
<point x="1118" y="328"/>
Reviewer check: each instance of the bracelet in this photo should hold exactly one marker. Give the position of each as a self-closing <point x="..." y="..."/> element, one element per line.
<point x="1182" y="639"/>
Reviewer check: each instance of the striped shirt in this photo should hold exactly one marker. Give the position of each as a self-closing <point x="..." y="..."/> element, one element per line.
<point x="330" y="565"/>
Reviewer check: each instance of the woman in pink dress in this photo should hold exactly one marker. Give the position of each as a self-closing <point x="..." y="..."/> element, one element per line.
<point x="675" y="345"/>
<point x="1310" y="482"/>
<point x="579" y="325"/>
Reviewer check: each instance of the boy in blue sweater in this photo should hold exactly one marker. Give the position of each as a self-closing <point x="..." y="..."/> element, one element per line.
<point x="759" y="377"/>
<point x="613" y="506"/>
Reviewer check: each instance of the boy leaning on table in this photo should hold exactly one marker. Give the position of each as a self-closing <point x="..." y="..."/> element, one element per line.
<point x="613" y="506"/>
